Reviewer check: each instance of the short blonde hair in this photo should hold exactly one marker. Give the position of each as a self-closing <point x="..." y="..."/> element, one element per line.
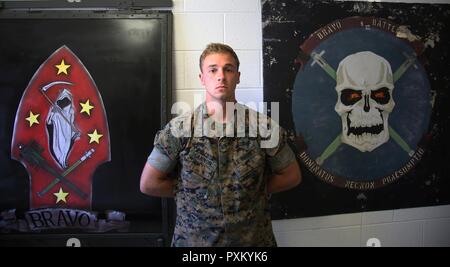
<point x="218" y="48"/>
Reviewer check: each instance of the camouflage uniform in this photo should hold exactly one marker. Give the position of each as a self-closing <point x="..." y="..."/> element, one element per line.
<point x="220" y="192"/>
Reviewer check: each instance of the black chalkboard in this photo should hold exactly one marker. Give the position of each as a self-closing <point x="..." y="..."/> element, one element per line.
<point x="128" y="57"/>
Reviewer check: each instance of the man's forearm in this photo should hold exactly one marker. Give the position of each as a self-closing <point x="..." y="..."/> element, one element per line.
<point x="163" y="188"/>
<point x="274" y="185"/>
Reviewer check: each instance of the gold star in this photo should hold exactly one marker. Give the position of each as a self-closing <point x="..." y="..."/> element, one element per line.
<point x="86" y="107"/>
<point x="62" y="68"/>
<point x="61" y="196"/>
<point x="33" y="118"/>
<point x="95" y="137"/>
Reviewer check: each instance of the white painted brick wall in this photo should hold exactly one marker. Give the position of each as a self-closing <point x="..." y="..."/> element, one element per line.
<point x="200" y="22"/>
<point x="403" y="234"/>
<point x="238" y="23"/>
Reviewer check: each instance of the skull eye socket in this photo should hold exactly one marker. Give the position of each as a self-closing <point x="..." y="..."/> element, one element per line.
<point x="381" y="95"/>
<point x="350" y="96"/>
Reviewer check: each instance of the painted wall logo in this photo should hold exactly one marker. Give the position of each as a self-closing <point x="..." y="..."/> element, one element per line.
<point x="61" y="133"/>
<point x="61" y="136"/>
<point x="361" y="103"/>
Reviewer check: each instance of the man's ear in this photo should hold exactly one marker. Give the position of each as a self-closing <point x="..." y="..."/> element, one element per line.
<point x="200" y="76"/>
<point x="239" y="77"/>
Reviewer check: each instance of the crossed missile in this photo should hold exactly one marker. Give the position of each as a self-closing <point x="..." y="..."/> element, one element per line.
<point x="32" y="154"/>
<point x="86" y="155"/>
<point x="319" y="60"/>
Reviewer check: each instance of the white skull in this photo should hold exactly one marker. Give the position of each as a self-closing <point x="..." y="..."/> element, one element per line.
<point x="364" y="86"/>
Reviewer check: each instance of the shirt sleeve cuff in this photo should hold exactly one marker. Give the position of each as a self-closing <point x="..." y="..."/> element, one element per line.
<point x="282" y="159"/>
<point x="160" y="161"/>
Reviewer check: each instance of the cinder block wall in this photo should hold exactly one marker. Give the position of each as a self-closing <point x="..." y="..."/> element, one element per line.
<point x="238" y="23"/>
<point x="234" y="22"/>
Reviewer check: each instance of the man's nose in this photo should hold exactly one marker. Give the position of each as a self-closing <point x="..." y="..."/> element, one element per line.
<point x="220" y="75"/>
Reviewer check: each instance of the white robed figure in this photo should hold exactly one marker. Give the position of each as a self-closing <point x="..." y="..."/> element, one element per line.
<point x="60" y="126"/>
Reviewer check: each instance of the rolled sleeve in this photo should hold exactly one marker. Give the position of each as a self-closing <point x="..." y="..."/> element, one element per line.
<point x="281" y="155"/>
<point x="160" y="161"/>
<point x="166" y="149"/>
<point x="282" y="159"/>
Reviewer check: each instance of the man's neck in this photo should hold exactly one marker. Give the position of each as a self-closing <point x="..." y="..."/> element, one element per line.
<point x="217" y="109"/>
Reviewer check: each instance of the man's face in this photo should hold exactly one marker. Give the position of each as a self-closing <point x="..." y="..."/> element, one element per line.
<point x="220" y="76"/>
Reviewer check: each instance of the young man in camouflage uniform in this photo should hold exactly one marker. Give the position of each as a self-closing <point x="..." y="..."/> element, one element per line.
<point x="224" y="177"/>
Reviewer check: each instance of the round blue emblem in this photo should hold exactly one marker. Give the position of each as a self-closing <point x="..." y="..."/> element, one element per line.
<point x="362" y="104"/>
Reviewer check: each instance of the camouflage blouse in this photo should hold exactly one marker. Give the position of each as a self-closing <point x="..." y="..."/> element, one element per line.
<point x="220" y="191"/>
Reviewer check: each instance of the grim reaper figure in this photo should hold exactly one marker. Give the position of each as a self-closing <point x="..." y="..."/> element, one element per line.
<point x="60" y="126"/>
<point x="364" y="85"/>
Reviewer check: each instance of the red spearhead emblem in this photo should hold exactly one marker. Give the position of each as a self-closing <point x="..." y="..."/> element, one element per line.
<point x="61" y="133"/>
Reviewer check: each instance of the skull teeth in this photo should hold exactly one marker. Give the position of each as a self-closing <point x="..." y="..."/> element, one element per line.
<point x="358" y="131"/>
